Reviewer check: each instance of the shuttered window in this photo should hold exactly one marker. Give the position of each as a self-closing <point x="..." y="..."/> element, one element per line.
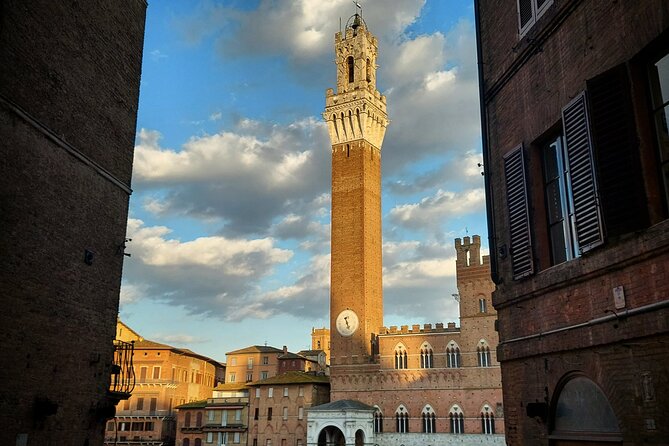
<point x="520" y="241"/>
<point x="529" y="12"/>
<point x="587" y="215"/>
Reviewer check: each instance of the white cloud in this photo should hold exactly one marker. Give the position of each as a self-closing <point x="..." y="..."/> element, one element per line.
<point x="434" y="210"/>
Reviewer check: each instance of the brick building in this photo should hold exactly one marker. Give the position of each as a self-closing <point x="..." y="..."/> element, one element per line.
<point x="278" y="405"/>
<point x="221" y="419"/>
<point x="165" y="377"/>
<point x="412" y="385"/>
<point x="252" y="363"/>
<point x="69" y="87"/>
<point x="573" y="97"/>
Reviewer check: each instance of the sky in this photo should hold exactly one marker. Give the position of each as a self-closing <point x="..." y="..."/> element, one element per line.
<point x="230" y="212"/>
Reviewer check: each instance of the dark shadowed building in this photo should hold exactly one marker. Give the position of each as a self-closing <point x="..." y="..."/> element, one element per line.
<point x="69" y="85"/>
<point x="576" y="153"/>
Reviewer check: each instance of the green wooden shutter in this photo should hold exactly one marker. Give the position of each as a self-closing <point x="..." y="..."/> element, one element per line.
<point x="587" y="218"/>
<point x="520" y="240"/>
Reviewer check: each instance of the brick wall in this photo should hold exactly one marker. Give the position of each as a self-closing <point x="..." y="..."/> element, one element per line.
<point x="68" y="100"/>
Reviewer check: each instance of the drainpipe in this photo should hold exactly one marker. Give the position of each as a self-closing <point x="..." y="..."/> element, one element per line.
<point x="487" y="164"/>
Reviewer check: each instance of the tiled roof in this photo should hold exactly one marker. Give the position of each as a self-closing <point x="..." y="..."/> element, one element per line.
<point x="145" y="344"/>
<point x="294" y="377"/>
<point x="231" y="386"/>
<point x="290" y="355"/>
<point x="310" y="352"/>
<point x="342" y="405"/>
<point x="256" y="349"/>
<point x="193" y="405"/>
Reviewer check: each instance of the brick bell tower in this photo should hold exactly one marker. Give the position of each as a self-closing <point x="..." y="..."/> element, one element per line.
<point x="357" y="119"/>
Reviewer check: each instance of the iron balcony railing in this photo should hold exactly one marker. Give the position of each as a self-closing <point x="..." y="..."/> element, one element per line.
<point x="123" y="374"/>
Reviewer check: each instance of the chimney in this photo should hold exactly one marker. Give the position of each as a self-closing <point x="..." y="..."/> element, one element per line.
<point x="285" y="349"/>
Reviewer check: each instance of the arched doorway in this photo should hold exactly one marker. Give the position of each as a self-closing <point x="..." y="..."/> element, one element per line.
<point x="582" y="415"/>
<point x="332" y="436"/>
<point x="359" y="438"/>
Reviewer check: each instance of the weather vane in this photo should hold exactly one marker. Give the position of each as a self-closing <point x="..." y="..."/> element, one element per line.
<point x="358" y="5"/>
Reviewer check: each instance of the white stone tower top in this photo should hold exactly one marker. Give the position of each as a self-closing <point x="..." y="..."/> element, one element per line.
<point x="357" y="110"/>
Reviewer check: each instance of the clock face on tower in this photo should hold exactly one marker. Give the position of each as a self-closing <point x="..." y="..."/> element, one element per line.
<point x="347" y="322"/>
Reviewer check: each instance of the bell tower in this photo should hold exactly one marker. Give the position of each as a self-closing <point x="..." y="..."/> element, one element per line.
<point x="357" y="119"/>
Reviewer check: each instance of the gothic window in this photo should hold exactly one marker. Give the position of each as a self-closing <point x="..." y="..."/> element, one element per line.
<point x="429" y="420"/>
<point x="426" y="356"/>
<point x="453" y="355"/>
<point x="351" y="70"/>
<point x="368" y="71"/>
<point x="402" y="420"/>
<point x="487" y="420"/>
<point x="378" y="420"/>
<point x="457" y="420"/>
<point x="400" y="357"/>
<point x="483" y="354"/>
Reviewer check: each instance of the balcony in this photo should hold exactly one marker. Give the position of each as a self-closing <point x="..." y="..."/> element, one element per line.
<point x="122" y="373"/>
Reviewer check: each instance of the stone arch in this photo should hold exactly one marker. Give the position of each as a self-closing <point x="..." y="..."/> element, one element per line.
<point x="401" y="356"/>
<point x="426" y="355"/>
<point x="359" y="438"/>
<point x="331" y="436"/>
<point x="580" y="406"/>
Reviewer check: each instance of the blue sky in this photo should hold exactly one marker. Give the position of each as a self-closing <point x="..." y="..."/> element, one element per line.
<point x="229" y="218"/>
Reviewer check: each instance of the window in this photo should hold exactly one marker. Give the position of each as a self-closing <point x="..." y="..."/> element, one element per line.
<point x="198" y="442"/>
<point x="187" y="420"/>
<point x="142" y="373"/>
<point x="148" y="426"/>
<point x="351" y="69"/>
<point x="285" y="391"/>
<point x="429" y="420"/>
<point x="210" y="437"/>
<point x="402" y="420"/>
<point x="487" y="420"/>
<point x="400" y="357"/>
<point x="300" y="391"/>
<point x="224" y="418"/>
<point x="270" y="392"/>
<point x="285" y="413"/>
<point x="233" y="361"/>
<point x="186" y="442"/>
<point x="210" y="415"/>
<point x="457" y="420"/>
<point x="378" y="420"/>
<point x="263" y="375"/>
<point x="318" y="345"/>
<point x="256" y="413"/>
<point x="153" y="404"/>
<point x="520" y="243"/>
<point x="257" y="392"/>
<point x="482" y="306"/>
<point x="453" y="355"/>
<point x="249" y="377"/>
<point x="426" y="356"/>
<point x="236" y="438"/>
<point x="198" y="419"/>
<point x="268" y="442"/>
<point x="265" y="360"/>
<point x="300" y="413"/>
<point x="529" y="12"/>
<point x="483" y="354"/>
<point x="269" y="413"/>
<point x="156" y="372"/>
<point x="299" y="442"/>
<point x="255" y="442"/>
<point x="238" y="415"/>
<point x="249" y="364"/>
<point x="232" y="377"/>
<point x="659" y="80"/>
<point x="140" y="403"/>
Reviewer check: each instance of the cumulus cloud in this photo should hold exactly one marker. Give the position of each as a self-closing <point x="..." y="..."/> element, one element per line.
<point x="432" y="211"/>
<point x="247" y="178"/>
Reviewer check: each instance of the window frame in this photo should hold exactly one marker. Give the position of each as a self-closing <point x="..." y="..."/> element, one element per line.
<point x="536" y="13"/>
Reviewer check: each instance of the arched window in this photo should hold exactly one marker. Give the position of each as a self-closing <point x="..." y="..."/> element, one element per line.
<point x="351" y="70"/>
<point x="453" y="355"/>
<point x="457" y="420"/>
<point x="187" y="420"/>
<point x="402" y="420"/>
<point x="426" y="356"/>
<point x="198" y="442"/>
<point x="483" y="354"/>
<point x="429" y="420"/>
<point x="483" y="307"/>
<point x="487" y="420"/>
<point x="378" y="420"/>
<point x="198" y="419"/>
<point x="400" y="357"/>
<point x="186" y="442"/>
